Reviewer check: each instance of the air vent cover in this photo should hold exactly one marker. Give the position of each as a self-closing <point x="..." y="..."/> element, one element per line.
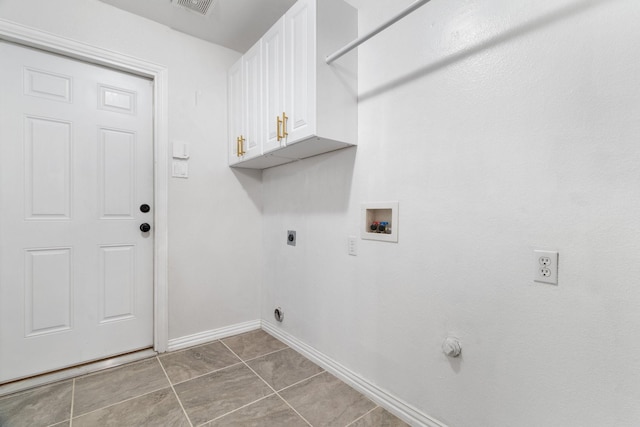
<point x="200" y="6"/>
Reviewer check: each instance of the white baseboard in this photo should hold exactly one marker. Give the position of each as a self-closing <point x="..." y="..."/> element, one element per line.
<point x="212" y="335"/>
<point x="391" y="403"/>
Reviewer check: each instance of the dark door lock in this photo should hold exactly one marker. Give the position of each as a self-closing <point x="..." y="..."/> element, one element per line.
<point x="145" y="208"/>
<point x="144" y="227"/>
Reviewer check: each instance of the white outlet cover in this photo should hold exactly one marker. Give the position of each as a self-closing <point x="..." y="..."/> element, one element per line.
<point x="352" y="245"/>
<point x="545" y="265"/>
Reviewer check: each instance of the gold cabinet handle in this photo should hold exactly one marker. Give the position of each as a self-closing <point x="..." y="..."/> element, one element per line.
<point x="284" y="125"/>
<point x="237" y="146"/>
<point x="278" y="124"/>
<point x="242" y="140"/>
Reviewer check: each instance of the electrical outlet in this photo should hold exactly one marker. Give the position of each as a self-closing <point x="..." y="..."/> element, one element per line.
<point x="352" y="245"/>
<point x="546" y="267"/>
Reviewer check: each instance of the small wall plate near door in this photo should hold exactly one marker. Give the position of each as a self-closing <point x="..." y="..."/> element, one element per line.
<point x="180" y="169"/>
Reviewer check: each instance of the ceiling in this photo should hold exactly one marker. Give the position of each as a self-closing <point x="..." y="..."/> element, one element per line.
<point x="236" y="24"/>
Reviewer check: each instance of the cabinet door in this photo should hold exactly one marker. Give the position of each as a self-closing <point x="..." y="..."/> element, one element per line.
<point x="300" y="71"/>
<point x="273" y="87"/>
<point x="252" y="84"/>
<point x="235" y="101"/>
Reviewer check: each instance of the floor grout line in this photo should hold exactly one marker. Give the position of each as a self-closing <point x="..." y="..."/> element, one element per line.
<point x="181" y="350"/>
<point x="32" y="389"/>
<point x="73" y="398"/>
<point x="274" y="390"/>
<point x="301" y="381"/>
<point x="174" y="393"/>
<point x="263" y="355"/>
<point x="362" y="416"/>
<point x="112" y="368"/>
<point x="205" y="374"/>
<point x="235" y="410"/>
<point x="294" y="410"/>
<point x="122" y="401"/>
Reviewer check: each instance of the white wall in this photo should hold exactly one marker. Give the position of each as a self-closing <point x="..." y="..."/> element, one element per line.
<point x="214" y="216"/>
<point x="501" y="127"/>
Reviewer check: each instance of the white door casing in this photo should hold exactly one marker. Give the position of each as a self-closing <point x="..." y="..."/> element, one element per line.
<point x="31" y="37"/>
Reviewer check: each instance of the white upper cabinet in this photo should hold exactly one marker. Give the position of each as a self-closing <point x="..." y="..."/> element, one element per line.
<point x="252" y="88"/>
<point x="305" y="107"/>
<point x="235" y="100"/>
<point x="273" y="86"/>
<point x="244" y="106"/>
<point x="300" y="27"/>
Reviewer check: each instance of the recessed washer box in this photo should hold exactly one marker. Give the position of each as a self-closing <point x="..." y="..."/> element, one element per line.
<point x="379" y="212"/>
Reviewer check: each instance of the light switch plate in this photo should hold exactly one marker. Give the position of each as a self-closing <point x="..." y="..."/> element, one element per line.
<point x="180" y="150"/>
<point x="180" y="169"/>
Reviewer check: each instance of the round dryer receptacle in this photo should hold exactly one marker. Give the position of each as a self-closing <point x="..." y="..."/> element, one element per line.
<point x="278" y="314"/>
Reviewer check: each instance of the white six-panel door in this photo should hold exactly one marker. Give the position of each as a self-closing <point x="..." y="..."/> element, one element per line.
<point x="76" y="163"/>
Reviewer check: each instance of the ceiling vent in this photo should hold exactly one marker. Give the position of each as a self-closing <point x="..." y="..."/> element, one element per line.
<point x="199" y="6"/>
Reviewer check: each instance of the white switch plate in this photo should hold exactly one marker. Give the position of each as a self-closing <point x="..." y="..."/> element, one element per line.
<point x="546" y="267"/>
<point x="180" y="150"/>
<point x="352" y="245"/>
<point x="180" y="169"/>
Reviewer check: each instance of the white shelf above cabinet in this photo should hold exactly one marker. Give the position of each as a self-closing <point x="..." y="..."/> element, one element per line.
<point x="305" y="107"/>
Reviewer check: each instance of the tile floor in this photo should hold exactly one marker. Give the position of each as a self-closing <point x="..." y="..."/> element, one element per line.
<point x="246" y="380"/>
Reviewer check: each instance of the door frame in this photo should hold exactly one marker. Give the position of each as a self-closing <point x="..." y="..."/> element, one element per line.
<point x="31" y="37"/>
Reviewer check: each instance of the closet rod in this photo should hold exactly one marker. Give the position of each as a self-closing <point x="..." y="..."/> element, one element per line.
<point x="357" y="42"/>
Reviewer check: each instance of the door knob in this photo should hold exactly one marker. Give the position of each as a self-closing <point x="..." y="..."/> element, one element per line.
<point x="145" y="208"/>
<point x="144" y="227"/>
